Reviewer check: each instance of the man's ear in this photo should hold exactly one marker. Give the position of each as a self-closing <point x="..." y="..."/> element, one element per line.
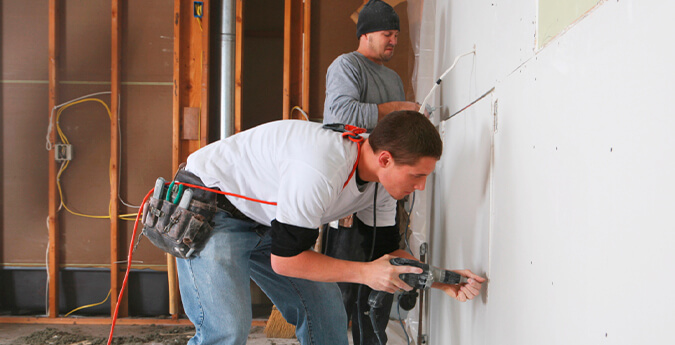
<point x="385" y="159"/>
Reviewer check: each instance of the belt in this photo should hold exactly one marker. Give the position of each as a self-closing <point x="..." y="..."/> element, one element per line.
<point x="224" y="204"/>
<point x="207" y="196"/>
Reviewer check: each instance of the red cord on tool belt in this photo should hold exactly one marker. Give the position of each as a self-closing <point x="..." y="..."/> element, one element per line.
<point x="126" y="275"/>
<point x="131" y="245"/>
<point x="352" y="133"/>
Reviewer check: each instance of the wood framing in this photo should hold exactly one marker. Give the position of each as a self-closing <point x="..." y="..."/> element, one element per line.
<point x="307" y="15"/>
<point x="53" y="269"/>
<point x="175" y="151"/>
<point x="203" y="75"/>
<point x="190" y="75"/>
<point x="115" y="238"/>
<point x="297" y="22"/>
<point x="238" y="53"/>
<point x="190" y="90"/>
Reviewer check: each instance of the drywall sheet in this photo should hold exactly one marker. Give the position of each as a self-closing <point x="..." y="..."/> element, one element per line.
<point x="555" y="16"/>
<point x="460" y="232"/>
<point x="580" y="235"/>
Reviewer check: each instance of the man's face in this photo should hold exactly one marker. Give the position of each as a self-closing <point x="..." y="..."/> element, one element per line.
<point x="401" y="180"/>
<point x="381" y="45"/>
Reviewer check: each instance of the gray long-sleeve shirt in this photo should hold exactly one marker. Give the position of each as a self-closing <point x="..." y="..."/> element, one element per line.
<point x="355" y="86"/>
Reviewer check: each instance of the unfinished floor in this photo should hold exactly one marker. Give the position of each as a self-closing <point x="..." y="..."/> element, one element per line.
<point x="34" y="334"/>
<point x="41" y="334"/>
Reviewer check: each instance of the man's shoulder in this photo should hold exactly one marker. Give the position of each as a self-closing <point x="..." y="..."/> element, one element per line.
<point x="348" y="59"/>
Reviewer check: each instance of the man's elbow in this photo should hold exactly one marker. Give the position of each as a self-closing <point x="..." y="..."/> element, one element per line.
<point x="282" y="265"/>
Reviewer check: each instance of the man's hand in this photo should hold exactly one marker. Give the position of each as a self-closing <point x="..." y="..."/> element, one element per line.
<point x="383" y="276"/>
<point x="385" y="108"/>
<point x="463" y="291"/>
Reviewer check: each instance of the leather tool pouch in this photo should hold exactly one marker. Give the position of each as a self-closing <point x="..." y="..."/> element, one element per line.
<point x="176" y="230"/>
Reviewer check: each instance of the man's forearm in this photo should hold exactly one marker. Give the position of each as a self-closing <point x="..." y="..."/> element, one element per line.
<point x="378" y="274"/>
<point x="385" y="108"/>
<point x="318" y="267"/>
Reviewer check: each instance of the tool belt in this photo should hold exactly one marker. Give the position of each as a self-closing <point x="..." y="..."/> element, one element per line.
<point x="173" y="223"/>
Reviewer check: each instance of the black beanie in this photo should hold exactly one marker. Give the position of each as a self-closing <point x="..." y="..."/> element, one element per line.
<point x="376" y="15"/>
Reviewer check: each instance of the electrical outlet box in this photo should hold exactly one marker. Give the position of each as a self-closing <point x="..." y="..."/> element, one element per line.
<point x="63" y="152"/>
<point x="198" y="9"/>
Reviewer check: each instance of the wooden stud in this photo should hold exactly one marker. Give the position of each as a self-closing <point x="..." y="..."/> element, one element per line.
<point x="190" y="79"/>
<point x="307" y="11"/>
<point x="296" y="56"/>
<point x="286" y="103"/>
<point x="239" y="52"/>
<point x="203" y="75"/>
<point x="115" y="274"/>
<point x="53" y="269"/>
<point x="175" y="151"/>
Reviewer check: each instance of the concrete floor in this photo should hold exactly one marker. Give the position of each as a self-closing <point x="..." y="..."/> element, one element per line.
<point x="34" y="334"/>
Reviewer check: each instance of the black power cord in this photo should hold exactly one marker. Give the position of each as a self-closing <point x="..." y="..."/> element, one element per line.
<point x="370" y="258"/>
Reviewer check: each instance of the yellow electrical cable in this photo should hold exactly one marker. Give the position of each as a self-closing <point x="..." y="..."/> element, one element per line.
<point x="64" y="139"/>
<point x="301" y="111"/>
<point x="58" y="115"/>
<point x="199" y="11"/>
<point x="89" y="305"/>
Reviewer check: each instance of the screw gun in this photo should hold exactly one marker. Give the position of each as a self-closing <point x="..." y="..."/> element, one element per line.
<point x="422" y="280"/>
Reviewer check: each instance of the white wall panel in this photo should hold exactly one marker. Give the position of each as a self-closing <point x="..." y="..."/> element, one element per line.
<point x="464" y="178"/>
<point x="578" y="239"/>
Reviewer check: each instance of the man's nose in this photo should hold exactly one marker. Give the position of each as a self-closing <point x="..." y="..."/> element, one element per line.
<point x="421" y="185"/>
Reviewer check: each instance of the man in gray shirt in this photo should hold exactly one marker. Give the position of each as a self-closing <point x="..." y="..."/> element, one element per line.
<point x="360" y="91"/>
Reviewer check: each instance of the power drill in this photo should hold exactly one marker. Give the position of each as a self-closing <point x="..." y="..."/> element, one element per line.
<point x="407" y="300"/>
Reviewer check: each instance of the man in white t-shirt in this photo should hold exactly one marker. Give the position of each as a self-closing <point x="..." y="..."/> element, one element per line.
<point x="291" y="177"/>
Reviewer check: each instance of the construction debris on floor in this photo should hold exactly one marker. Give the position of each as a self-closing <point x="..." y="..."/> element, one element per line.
<point x="33" y="334"/>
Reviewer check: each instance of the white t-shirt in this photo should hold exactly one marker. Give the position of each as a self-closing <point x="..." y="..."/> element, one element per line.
<point x="297" y="164"/>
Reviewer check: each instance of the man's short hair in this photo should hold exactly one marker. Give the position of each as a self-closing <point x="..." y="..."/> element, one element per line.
<point x="376" y="15"/>
<point x="408" y="136"/>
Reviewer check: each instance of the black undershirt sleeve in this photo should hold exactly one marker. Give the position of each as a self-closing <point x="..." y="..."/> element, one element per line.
<point x="290" y="240"/>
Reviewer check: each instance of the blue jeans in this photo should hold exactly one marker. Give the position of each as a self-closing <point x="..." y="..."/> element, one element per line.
<point x="215" y="289"/>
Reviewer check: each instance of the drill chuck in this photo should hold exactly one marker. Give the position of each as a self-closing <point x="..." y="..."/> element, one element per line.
<point x="443" y="276"/>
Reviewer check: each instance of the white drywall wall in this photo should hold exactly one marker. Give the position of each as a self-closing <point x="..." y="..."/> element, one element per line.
<point x="567" y="205"/>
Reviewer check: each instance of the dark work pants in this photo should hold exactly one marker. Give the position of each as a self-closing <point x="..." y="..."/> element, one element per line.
<point x="355" y="245"/>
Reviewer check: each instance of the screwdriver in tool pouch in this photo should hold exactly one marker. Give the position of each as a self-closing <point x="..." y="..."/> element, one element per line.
<point x="186" y="198"/>
<point x="159" y="187"/>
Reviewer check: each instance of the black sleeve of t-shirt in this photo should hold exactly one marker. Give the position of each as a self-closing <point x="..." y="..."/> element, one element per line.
<point x="387" y="238"/>
<point x="290" y="240"/>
